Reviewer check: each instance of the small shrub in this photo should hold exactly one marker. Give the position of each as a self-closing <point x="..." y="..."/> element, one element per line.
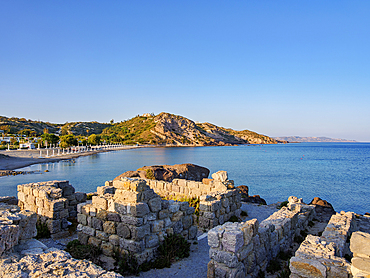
<point x="244" y="213"/>
<point x="284" y="274"/>
<point x="128" y="265"/>
<point x="273" y="266"/>
<point x="81" y="252"/>
<point x="284" y="255"/>
<point x="89" y="196"/>
<point x="261" y="274"/>
<point x="149" y="174"/>
<point x="283" y="204"/>
<point x="42" y="230"/>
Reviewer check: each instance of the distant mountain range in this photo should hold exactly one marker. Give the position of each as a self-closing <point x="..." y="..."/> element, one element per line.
<point x="163" y="128"/>
<point x="291" y="139"/>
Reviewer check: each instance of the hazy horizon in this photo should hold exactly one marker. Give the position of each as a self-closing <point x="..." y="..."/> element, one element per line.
<point x="277" y="68"/>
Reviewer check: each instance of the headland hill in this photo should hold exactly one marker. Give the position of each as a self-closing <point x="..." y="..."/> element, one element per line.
<point x="162" y="130"/>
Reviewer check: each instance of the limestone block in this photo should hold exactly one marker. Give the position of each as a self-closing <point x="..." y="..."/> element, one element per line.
<point x="108" y="183"/>
<point x="208" y="214"/>
<point x="128" y="196"/>
<point x="101" y="235"/>
<point x="190" y="210"/>
<point x="96" y="223"/>
<point x="114" y="239"/>
<point x="204" y="206"/>
<point x="220" y="176"/>
<point x="9" y="235"/>
<point x="107" y="248"/>
<point x="157" y="226"/>
<point x="131" y="245"/>
<point x="123" y="230"/>
<point x="101" y="190"/>
<point x="82" y="237"/>
<point x="163" y="214"/>
<point x="138" y="233"/>
<point x="155" y="204"/>
<point x="21" y="196"/>
<point x="112" y="216"/>
<point x="55" y="193"/>
<point x="187" y="221"/>
<point x="360" y="244"/>
<point x="109" y="227"/>
<point x="178" y="227"/>
<point x="27" y="225"/>
<point x="232" y="240"/>
<point x="100" y="202"/>
<point x="177" y="216"/>
<point x="121" y="184"/>
<point x="307" y="267"/>
<point x="102" y="215"/>
<point x="80" y="197"/>
<point x="138" y="185"/>
<point x="117" y="207"/>
<point x="130" y="220"/>
<point x="138" y="209"/>
<point x="86" y="230"/>
<point x="61" y="234"/>
<point x="204" y="222"/>
<point x="214" y="236"/>
<point x="63" y="213"/>
<point x="68" y="190"/>
<point x="54" y="226"/>
<point x="228" y="258"/>
<point x="165" y="204"/>
<point x="151" y="241"/>
<point x="363" y="264"/>
<point x="58" y="205"/>
<point x="193" y="230"/>
<point x="94" y="241"/>
<point x="173" y="206"/>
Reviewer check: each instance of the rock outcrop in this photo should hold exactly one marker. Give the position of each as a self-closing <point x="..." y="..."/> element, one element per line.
<point x="255" y="199"/>
<point x="168" y="172"/>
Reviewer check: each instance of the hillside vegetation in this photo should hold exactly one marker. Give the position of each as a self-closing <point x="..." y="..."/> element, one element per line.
<point x="160" y="129"/>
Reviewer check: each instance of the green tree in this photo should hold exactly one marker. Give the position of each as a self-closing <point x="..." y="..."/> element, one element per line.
<point x="67" y="141"/>
<point x="94" y="139"/>
<point x="50" y="138"/>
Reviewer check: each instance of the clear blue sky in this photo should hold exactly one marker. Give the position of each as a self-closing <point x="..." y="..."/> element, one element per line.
<point x="274" y="67"/>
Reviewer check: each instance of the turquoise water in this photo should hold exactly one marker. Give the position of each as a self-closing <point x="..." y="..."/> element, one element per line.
<point x="337" y="172"/>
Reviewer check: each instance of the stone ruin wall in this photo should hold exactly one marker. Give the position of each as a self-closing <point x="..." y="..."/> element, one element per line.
<point x="243" y="249"/>
<point x="53" y="201"/>
<point x="15" y="226"/>
<point x="324" y="256"/>
<point x="127" y="215"/>
<point x="219" y="200"/>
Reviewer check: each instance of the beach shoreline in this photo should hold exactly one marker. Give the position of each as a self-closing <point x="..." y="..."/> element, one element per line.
<point x="17" y="159"/>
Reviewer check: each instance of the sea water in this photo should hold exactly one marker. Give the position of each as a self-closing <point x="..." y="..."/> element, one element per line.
<point x="336" y="172"/>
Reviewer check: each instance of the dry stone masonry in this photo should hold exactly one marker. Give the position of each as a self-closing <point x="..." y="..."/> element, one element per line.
<point x="53" y="201"/>
<point x="127" y="215"/>
<point x="15" y="225"/>
<point x="324" y="256"/>
<point x="243" y="249"/>
<point x="360" y="247"/>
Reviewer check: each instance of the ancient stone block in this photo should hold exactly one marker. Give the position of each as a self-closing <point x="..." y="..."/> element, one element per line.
<point x="113" y="217"/>
<point x="177" y="216"/>
<point x="94" y="241"/>
<point x="155" y="204"/>
<point x="114" y="239"/>
<point x="138" y="209"/>
<point x="107" y="248"/>
<point x="232" y="240"/>
<point x="80" y="197"/>
<point x="165" y="204"/>
<point x="307" y="268"/>
<point x="173" y="206"/>
<point x="157" y="226"/>
<point x="151" y="241"/>
<point x="360" y="244"/>
<point x="54" y="226"/>
<point x="187" y="221"/>
<point x="230" y="259"/>
<point x="138" y="233"/>
<point x="123" y="230"/>
<point x="131" y="245"/>
<point x="101" y="235"/>
<point x="96" y="223"/>
<point x="109" y="227"/>
<point x="100" y="202"/>
<point x="178" y="227"/>
<point x="83" y="238"/>
<point x="130" y="220"/>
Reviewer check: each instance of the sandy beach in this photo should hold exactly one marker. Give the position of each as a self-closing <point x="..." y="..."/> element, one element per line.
<point x="16" y="159"/>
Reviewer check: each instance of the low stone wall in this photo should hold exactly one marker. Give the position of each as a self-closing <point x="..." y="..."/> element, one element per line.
<point x="323" y="256"/>
<point x="360" y="247"/>
<point x="217" y="208"/>
<point x="243" y="249"/>
<point x="53" y="201"/>
<point x="130" y="216"/>
<point x="15" y="225"/>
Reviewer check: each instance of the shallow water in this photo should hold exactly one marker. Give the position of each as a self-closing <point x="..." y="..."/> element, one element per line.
<point x="337" y="172"/>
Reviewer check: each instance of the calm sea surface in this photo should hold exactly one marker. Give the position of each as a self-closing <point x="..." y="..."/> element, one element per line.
<point x="336" y="172"/>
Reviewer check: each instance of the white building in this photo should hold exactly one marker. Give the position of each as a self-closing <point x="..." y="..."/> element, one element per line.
<point x="27" y="145"/>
